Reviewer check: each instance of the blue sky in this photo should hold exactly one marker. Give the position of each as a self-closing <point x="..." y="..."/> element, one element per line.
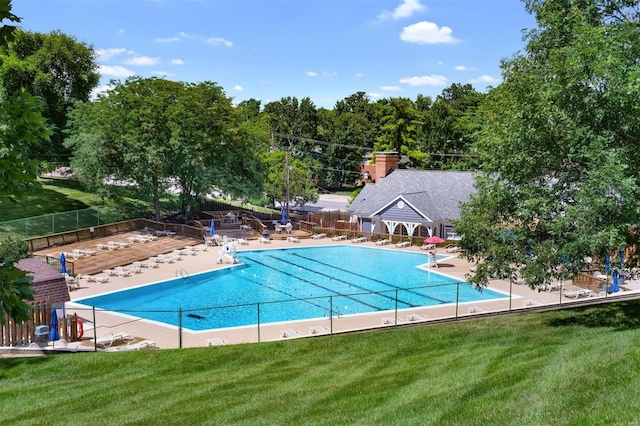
<point x="269" y="49"/>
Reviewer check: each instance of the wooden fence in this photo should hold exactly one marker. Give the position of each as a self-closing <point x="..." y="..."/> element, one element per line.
<point x="13" y="333"/>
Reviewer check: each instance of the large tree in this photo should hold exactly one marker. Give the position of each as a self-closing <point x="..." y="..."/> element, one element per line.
<point x="156" y="132"/>
<point x="55" y="67"/>
<point x="21" y="126"/>
<point x="559" y="146"/>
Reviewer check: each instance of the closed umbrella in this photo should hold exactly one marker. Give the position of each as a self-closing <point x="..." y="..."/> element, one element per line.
<point x="284" y="217"/>
<point x="53" y="334"/>
<point x="63" y="266"/>
<point x="212" y="229"/>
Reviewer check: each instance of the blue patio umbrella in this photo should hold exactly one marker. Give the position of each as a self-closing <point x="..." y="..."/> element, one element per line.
<point x="284" y="217"/>
<point x="607" y="263"/>
<point x="212" y="229"/>
<point x="63" y="264"/>
<point x="614" y="286"/>
<point x="53" y="334"/>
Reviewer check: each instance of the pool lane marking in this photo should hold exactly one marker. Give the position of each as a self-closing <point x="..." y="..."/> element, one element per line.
<point x="344" y="282"/>
<point x="317" y="285"/>
<point x="369" y="278"/>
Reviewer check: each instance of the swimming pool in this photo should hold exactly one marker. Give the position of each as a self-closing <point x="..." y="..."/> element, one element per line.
<point x="293" y="284"/>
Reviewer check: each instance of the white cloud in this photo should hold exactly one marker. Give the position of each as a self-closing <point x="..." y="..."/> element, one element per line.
<point x="311" y="73"/>
<point x="405" y="10"/>
<point x="425" y="80"/>
<point x="329" y="74"/>
<point x="100" y="90"/>
<point x="238" y="88"/>
<point x="185" y="35"/>
<point x="391" y="88"/>
<point x="115" y="71"/>
<point x="120" y="31"/>
<point x="161" y="73"/>
<point x="177" y="62"/>
<point x="374" y="95"/>
<point x="167" y="39"/>
<point x="142" y="61"/>
<point x="463" y="68"/>
<point x="359" y="75"/>
<point x="427" y="33"/>
<point x="217" y="41"/>
<point x="106" y="54"/>
<point x="485" y="79"/>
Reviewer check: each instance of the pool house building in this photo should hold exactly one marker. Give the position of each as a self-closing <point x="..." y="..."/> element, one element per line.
<point x="412" y="202"/>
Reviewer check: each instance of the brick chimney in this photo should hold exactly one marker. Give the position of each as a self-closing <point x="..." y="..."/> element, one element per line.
<point x="385" y="163"/>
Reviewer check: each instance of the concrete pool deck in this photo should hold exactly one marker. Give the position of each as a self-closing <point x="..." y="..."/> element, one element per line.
<point x="165" y="336"/>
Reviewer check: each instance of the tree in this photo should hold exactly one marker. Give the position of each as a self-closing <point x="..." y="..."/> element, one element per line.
<point x="154" y="132"/>
<point x="399" y="129"/>
<point x="54" y="67"/>
<point x="301" y="186"/>
<point x="559" y="147"/>
<point x="21" y="125"/>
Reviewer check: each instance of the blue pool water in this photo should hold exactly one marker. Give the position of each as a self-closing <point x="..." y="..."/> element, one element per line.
<point x="292" y="284"/>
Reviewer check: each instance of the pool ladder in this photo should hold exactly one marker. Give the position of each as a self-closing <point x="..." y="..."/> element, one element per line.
<point x="182" y="273"/>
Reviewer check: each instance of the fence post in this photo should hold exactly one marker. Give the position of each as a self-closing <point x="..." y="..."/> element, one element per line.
<point x="396" y="314"/>
<point x="95" y="330"/>
<point x="258" y="322"/>
<point x="457" y="297"/>
<point x="331" y="313"/>
<point x="180" y="328"/>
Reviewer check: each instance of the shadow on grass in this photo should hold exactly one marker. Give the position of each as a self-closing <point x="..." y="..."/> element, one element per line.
<point x="623" y="315"/>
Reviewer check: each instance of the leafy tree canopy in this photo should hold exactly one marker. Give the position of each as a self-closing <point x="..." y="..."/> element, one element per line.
<point x="559" y="147"/>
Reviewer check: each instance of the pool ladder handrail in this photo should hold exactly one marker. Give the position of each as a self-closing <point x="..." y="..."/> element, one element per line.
<point x="182" y="273"/>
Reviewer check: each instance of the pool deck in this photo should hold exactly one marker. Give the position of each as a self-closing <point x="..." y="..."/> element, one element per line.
<point x="523" y="298"/>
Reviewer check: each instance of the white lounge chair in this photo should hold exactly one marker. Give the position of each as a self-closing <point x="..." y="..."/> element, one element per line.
<point x="452" y="248"/>
<point x="391" y="321"/>
<point x="318" y="236"/>
<point x="95" y="278"/>
<point x="293" y="239"/>
<point x="582" y="292"/>
<point x="245" y="227"/>
<point x="216" y="341"/>
<point x="264" y="240"/>
<point x="477" y="310"/>
<point x="289" y="333"/>
<point x="131" y="346"/>
<point x="403" y="244"/>
<point x="339" y="237"/>
<point x="528" y="302"/>
<point x="416" y="318"/>
<point x="108" y="339"/>
<point x="242" y="241"/>
<point x="78" y="254"/>
<point x="383" y="242"/>
<point x="165" y="258"/>
<point x="427" y="247"/>
<point x="359" y="240"/>
<point x="121" y="272"/>
<point x="72" y="282"/>
<point x="318" y="329"/>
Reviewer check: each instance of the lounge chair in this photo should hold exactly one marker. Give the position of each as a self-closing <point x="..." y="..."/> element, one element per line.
<point x="216" y="341"/>
<point x="78" y="254"/>
<point x="289" y="333"/>
<point x="416" y="318"/>
<point x="359" y="240"/>
<point x="528" y="302"/>
<point x="72" y="282"/>
<point x="318" y="236"/>
<point x="339" y="237"/>
<point x="403" y="244"/>
<point x="95" y="278"/>
<point x="243" y="241"/>
<point x="477" y="310"/>
<point x="600" y="276"/>
<point x="391" y="321"/>
<point x="121" y="272"/>
<point x="552" y="286"/>
<point x="245" y="227"/>
<point x="131" y="346"/>
<point x="319" y="329"/>
<point x="451" y="248"/>
<point x="293" y="239"/>
<point x="108" y="339"/>
<point x="427" y="247"/>
<point x="89" y="252"/>
<point x="134" y="269"/>
<point x="582" y="292"/>
<point x="113" y="245"/>
<point x="383" y="242"/>
<point x="165" y="258"/>
<point x="167" y="233"/>
<point x="264" y="240"/>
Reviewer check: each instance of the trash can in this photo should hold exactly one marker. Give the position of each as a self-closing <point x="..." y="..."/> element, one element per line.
<point x="620" y="277"/>
<point x="42" y="335"/>
<point x="265" y="233"/>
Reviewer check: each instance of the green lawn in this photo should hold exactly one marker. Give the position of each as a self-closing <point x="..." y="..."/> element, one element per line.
<point x="576" y="366"/>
